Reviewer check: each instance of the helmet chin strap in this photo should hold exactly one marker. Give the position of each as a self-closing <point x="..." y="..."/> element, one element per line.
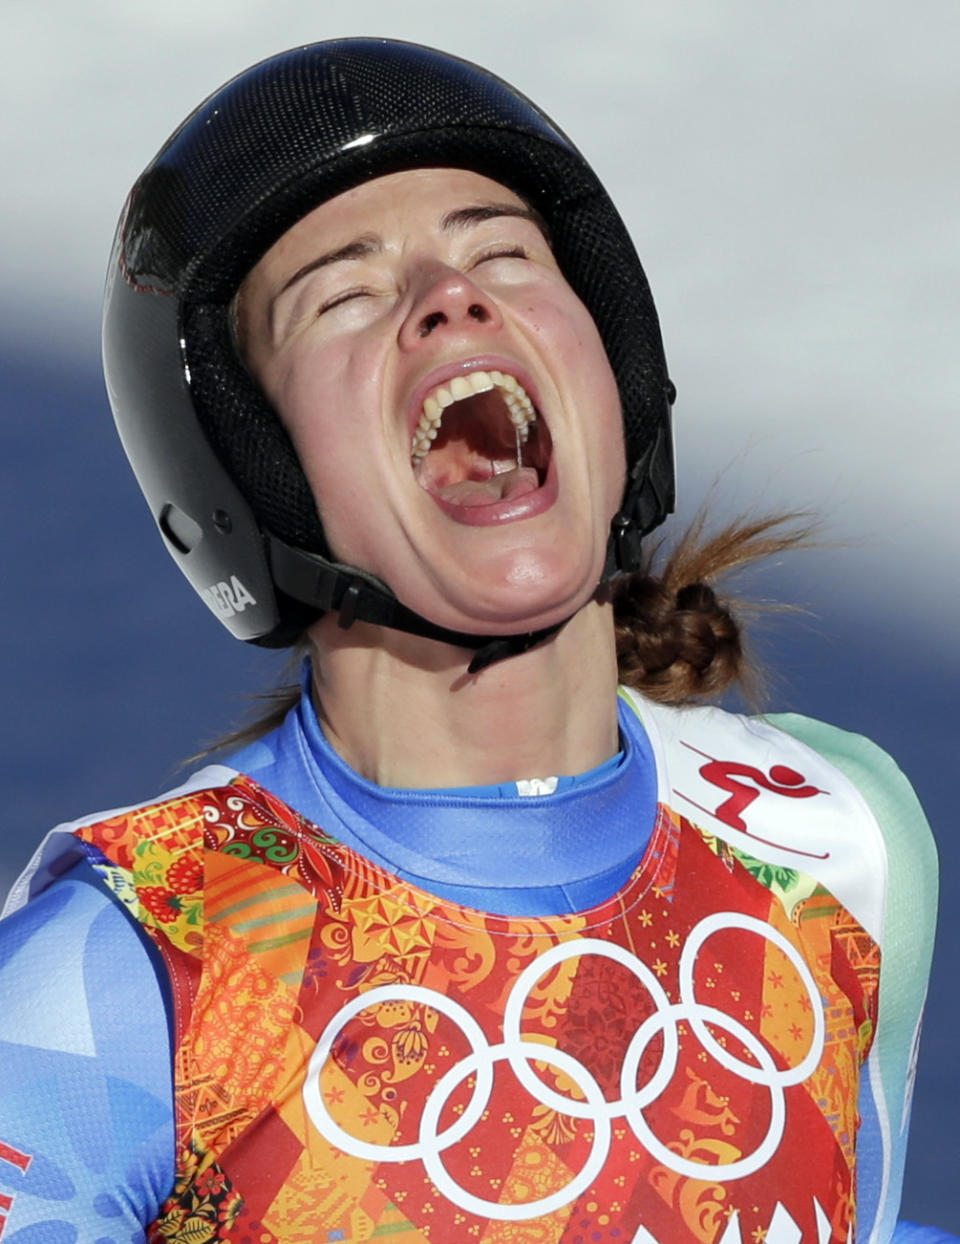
<point x="647" y="498"/>
<point x="354" y="594"/>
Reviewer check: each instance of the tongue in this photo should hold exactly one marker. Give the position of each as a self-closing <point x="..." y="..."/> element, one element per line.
<point x="506" y="486"/>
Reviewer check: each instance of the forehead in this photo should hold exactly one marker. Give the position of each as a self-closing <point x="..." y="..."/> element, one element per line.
<point x="396" y="204"/>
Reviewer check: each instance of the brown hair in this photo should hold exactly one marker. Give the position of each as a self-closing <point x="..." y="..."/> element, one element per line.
<point x="677" y="639"/>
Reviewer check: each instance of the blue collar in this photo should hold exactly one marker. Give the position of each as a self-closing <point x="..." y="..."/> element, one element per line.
<point x="487" y="843"/>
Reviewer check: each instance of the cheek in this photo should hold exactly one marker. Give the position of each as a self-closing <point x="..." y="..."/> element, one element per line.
<point x="565" y="325"/>
<point x="606" y="440"/>
<point x="591" y="375"/>
<point x="312" y="396"/>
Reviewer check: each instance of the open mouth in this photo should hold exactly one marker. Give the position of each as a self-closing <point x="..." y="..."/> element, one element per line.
<point x="480" y="441"/>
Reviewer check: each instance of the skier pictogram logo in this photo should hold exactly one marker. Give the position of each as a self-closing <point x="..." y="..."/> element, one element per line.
<point x="743" y="784"/>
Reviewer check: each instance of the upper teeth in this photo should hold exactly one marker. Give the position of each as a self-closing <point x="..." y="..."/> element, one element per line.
<point x="519" y="406"/>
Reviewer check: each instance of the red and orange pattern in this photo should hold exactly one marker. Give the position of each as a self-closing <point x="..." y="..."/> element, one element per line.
<point x="270" y="930"/>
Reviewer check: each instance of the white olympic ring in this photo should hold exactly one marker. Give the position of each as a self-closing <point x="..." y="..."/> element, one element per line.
<point x="520" y="1211"/>
<point x="734" y="920"/>
<point x="684" y="1166"/>
<point x="521" y="1053"/>
<point x="513" y="1014"/>
<point x="316" y="1106"/>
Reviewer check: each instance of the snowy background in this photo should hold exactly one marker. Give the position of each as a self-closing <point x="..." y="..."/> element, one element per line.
<point x="790" y="176"/>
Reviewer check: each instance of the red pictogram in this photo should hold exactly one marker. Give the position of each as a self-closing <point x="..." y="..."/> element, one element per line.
<point x="14" y="1158"/>
<point x="729" y="775"/>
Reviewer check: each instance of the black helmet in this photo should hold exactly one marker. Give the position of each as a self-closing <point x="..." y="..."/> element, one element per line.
<point x="216" y="466"/>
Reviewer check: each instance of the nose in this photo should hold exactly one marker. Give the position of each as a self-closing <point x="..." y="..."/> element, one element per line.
<point x="447" y="302"/>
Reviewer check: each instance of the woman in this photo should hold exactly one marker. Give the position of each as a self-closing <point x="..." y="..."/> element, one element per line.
<point x="467" y="945"/>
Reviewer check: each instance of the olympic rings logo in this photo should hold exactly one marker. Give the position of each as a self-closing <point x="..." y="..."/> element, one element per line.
<point x="521" y="1054"/>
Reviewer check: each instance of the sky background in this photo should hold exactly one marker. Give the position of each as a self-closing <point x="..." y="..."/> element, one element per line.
<point x="790" y="178"/>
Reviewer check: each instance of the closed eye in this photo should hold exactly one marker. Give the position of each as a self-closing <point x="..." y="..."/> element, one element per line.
<point x="501" y="252"/>
<point x="344" y="296"/>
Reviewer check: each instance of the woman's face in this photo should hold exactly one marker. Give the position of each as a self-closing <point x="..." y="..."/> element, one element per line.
<point x="448" y="396"/>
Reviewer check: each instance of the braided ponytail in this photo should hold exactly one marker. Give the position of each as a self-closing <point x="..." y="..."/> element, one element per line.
<point x="676" y="639"/>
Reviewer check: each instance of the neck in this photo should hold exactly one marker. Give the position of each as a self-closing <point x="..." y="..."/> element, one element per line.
<point x="403" y="712"/>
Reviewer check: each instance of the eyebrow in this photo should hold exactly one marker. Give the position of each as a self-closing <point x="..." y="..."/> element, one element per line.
<point x="475" y="214"/>
<point x="368" y="244"/>
<point x="459" y="219"/>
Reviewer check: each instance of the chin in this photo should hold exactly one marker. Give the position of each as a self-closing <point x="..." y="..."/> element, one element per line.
<point x="526" y="595"/>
